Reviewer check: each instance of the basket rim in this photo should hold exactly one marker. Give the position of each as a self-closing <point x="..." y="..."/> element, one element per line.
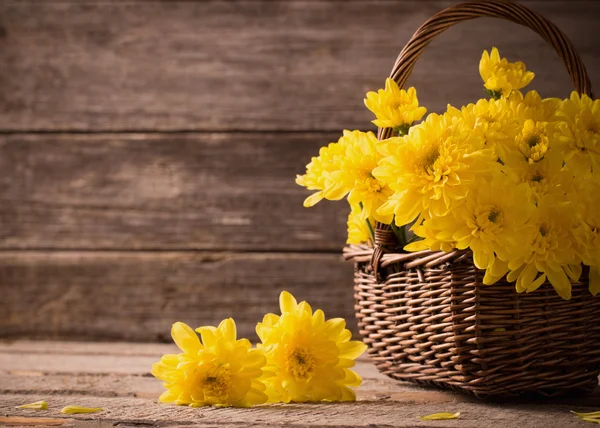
<point x="426" y="258"/>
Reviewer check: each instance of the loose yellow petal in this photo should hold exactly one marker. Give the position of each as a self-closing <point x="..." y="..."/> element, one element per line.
<point x="587" y="415"/>
<point x="591" y="420"/>
<point x="70" y="410"/>
<point x="440" y="416"/>
<point x="38" y="405"/>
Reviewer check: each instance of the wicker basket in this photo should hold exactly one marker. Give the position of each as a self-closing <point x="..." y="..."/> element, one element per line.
<point x="428" y="318"/>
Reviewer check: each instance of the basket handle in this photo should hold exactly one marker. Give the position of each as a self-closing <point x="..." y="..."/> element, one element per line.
<point x="440" y="22"/>
<point x="509" y="10"/>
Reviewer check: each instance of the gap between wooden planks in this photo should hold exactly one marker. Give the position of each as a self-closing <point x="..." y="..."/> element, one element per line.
<point x="116" y="376"/>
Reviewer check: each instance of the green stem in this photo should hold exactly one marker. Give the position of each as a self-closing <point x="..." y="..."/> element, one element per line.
<point x="402" y="130"/>
<point x="371" y="231"/>
<point x="494" y="94"/>
<point x="400" y="233"/>
<point x="404" y="240"/>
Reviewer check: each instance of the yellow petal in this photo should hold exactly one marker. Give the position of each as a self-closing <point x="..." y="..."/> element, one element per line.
<point x="228" y="330"/>
<point x="167" y="397"/>
<point x="318" y="318"/>
<point x="440" y="416"/>
<point x="184" y="337"/>
<point x="313" y="199"/>
<point x="38" y="405"/>
<point x="209" y="337"/>
<point x="287" y="302"/>
<point x="304" y="307"/>
<point x="587" y="415"/>
<point x="69" y="410"/>
<point x="334" y="326"/>
<point x="352" y="349"/>
<point x="560" y="282"/>
<point x="591" y="420"/>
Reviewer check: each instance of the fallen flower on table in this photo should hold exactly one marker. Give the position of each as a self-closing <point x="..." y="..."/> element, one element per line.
<point x="38" y="405"/>
<point x="592" y="417"/>
<point x="440" y="416"/>
<point x="218" y="371"/>
<point x="70" y="410"/>
<point x="309" y="356"/>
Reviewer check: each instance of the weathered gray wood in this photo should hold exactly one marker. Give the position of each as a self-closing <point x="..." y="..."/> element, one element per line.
<point x="138" y="295"/>
<point x="118" y="380"/>
<point x="231" y="191"/>
<point x="381" y="412"/>
<point x="252" y="65"/>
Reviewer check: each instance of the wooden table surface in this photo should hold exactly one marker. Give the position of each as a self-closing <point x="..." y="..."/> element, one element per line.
<point x="116" y="376"/>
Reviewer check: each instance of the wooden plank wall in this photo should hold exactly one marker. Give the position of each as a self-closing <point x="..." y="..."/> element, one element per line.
<point x="148" y="149"/>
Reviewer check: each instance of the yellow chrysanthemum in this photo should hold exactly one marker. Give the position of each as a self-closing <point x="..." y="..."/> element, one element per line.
<point x="502" y="77"/>
<point x="345" y="168"/>
<point x="219" y="371"/>
<point x="321" y="174"/>
<point x="394" y="107"/>
<point x="533" y="107"/>
<point x="586" y="229"/>
<point x="491" y="222"/>
<point x="311" y="357"/>
<point x="533" y="142"/>
<point x="491" y="119"/>
<point x="431" y="168"/>
<point x="358" y="229"/>
<point x="551" y="252"/>
<point x="580" y="132"/>
<point x="546" y="177"/>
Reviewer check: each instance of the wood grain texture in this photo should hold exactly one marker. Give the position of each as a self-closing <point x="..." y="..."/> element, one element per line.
<point x="249" y="65"/>
<point x="137" y="296"/>
<point x="118" y="380"/>
<point x="116" y="376"/>
<point x="232" y="191"/>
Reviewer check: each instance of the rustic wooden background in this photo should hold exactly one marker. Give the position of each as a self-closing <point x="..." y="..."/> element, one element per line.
<point x="148" y="149"/>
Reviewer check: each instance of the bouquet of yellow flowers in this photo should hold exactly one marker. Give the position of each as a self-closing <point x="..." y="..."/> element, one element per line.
<point x="514" y="178"/>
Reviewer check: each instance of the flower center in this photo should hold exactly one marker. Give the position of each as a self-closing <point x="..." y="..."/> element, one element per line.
<point x="373" y="185"/>
<point x="300" y="362"/>
<point x="489" y="219"/>
<point x="487" y="117"/>
<point x="428" y="161"/>
<point x="397" y="103"/>
<point x="536" y="178"/>
<point x="217" y="382"/>
<point x="533" y="140"/>
<point x="534" y="146"/>
<point x="495" y="215"/>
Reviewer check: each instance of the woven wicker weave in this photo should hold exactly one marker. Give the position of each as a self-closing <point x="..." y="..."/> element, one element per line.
<point x="427" y="317"/>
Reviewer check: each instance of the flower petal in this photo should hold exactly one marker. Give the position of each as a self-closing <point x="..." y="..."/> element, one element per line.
<point x="228" y="329"/>
<point x="209" y="336"/>
<point x="352" y="350"/>
<point x="287" y="302"/>
<point x="70" y="410"/>
<point x="440" y="416"/>
<point x="185" y="338"/>
<point x="38" y="405"/>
